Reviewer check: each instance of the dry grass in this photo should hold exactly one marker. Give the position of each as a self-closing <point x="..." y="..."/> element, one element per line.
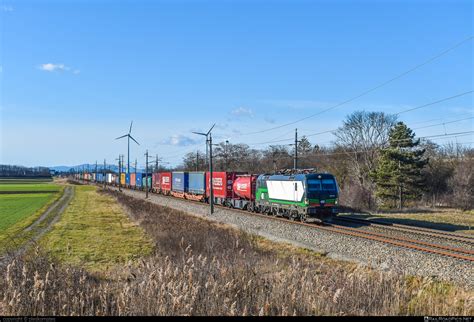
<point x="442" y="217"/>
<point x="202" y="268"/>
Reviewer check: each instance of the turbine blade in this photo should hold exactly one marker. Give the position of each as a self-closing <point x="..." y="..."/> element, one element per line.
<point x="133" y="139"/>
<point x="211" y="129"/>
<point x="122" y="136"/>
<point x="198" y="133"/>
<point x="130" y="131"/>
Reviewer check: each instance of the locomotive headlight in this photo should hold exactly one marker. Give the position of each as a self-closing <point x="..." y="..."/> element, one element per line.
<point x="337" y="202"/>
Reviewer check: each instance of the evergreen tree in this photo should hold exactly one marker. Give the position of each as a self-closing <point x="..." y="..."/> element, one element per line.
<point x="304" y="146"/>
<point x="399" y="172"/>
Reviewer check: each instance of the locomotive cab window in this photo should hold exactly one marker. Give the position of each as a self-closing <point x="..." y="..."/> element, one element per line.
<point x="314" y="185"/>
<point x="329" y="185"/>
<point x="318" y="185"/>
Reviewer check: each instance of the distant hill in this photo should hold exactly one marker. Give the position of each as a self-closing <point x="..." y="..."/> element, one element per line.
<point x="88" y="167"/>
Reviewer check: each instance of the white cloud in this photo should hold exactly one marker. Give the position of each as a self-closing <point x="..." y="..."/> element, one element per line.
<point x="50" y="67"/>
<point x="242" y="112"/>
<point x="6" y="8"/>
<point x="180" y="140"/>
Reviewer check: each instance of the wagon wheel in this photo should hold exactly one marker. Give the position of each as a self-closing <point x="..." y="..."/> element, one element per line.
<point x="293" y="215"/>
<point x="251" y="207"/>
<point x="303" y="217"/>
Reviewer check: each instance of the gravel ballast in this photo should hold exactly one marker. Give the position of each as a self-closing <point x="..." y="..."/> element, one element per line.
<point x="367" y="252"/>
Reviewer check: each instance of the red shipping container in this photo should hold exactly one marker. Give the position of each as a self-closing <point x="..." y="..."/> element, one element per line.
<point x="133" y="179"/>
<point x="222" y="184"/>
<point x="156" y="181"/>
<point x="165" y="181"/>
<point x="244" y="186"/>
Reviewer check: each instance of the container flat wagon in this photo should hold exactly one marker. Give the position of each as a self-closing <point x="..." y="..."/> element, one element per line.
<point x="180" y="184"/>
<point x="197" y="186"/>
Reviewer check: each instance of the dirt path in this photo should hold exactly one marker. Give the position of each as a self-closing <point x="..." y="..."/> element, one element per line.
<point x="44" y="223"/>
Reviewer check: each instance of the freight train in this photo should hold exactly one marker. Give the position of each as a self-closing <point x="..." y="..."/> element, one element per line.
<point x="296" y="195"/>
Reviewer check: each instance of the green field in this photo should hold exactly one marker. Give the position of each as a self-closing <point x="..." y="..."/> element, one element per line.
<point x="20" y="187"/>
<point x="20" y="210"/>
<point x="17" y="207"/>
<point x="23" y="181"/>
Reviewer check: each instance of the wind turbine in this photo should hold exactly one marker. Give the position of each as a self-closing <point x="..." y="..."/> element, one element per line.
<point x="208" y="136"/>
<point x="128" y="136"/>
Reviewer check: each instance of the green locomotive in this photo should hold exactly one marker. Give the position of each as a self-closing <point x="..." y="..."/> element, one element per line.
<point x="297" y="196"/>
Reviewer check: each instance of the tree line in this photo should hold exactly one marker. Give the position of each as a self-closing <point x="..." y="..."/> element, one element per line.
<point x="377" y="160"/>
<point x="15" y="171"/>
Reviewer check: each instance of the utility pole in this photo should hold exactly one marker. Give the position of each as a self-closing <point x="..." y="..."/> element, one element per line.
<point x="207" y="153"/>
<point x="225" y="154"/>
<point x="120" y="172"/>
<point x="295" y="164"/>
<point x="208" y="136"/>
<point x="146" y="174"/>
<point x="197" y="161"/>
<point x="211" y="188"/>
<point x="95" y="170"/>
<point x="157" y="162"/>
<point x="105" y="174"/>
<point x="274" y="161"/>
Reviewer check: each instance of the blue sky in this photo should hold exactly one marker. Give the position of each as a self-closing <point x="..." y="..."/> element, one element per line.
<point x="75" y="73"/>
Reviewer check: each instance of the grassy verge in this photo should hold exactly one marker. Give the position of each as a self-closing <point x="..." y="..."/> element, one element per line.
<point x="449" y="219"/>
<point x="204" y="268"/>
<point x="95" y="232"/>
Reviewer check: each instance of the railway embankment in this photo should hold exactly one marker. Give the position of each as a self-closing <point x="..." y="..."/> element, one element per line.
<point x="372" y="253"/>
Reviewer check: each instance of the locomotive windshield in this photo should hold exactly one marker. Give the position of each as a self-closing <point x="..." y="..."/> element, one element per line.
<point x="324" y="185"/>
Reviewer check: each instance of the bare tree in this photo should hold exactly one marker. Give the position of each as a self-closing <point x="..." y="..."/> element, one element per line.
<point x="462" y="185"/>
<point x="361" y="136"/>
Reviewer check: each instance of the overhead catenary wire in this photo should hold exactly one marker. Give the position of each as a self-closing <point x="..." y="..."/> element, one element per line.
<point x="438" y="119"/>
<point x="433" y="125"/>
<point x="367" y="91"/>
<point x="432" y="103"/>
<point x="355" y="152"/>
<point x="404" y="111"/>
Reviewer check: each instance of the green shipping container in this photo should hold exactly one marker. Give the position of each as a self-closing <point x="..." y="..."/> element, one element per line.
<point x="149" y="181"/>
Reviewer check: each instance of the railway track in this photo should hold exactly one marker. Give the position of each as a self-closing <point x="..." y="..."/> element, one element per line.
<point x="416" y="230"/>
<point x="441" y="250"/>
<point x="458" y="253"/>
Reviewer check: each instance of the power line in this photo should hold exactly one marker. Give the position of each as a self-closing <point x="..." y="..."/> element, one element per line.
<point x="377" y="149"/>
<point x="411" y="109"/>
<point x="367" y="91"/>
<point x="440" y="101"/>
<point x="424" y="127"/>
<point x="439" y="119"/>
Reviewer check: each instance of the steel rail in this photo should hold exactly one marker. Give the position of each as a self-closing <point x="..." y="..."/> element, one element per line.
<point x="413" y="241"/>
<point x="417" y="230"/>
